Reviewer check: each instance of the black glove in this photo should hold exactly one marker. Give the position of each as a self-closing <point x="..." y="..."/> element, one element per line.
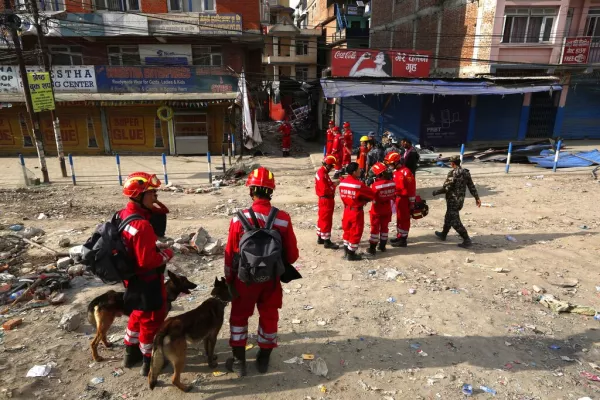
<point x="232" y="290"/>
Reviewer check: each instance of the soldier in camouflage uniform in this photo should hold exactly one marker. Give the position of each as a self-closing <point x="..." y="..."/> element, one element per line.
<point x="457" y="182"/>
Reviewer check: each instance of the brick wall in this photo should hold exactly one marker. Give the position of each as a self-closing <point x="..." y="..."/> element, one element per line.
<point x="248" y="9"/>
<point x="154" y="6"/>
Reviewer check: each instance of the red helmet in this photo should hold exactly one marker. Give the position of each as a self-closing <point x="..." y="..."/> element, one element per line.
<point x="392" y="158"/>
<point x="332" y="122"/>
<point x="336" y="128"/>
<point x="261" y="177"/>
<point x="346" y="125"/>
<point x="378" y="168"/>
<point x="140" y="182"/>
<point x="329" y="160"/>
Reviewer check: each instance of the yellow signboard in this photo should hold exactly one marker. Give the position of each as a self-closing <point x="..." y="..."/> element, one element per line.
<point x="41" y="91"/>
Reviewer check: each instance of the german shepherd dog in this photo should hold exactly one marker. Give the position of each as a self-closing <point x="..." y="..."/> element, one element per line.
<point x="202" y="323"/>
<point x="103" y="310"/>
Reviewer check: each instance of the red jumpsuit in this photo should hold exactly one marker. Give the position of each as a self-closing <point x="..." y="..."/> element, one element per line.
<point x="329" y="143"/>
<point x="325" y="189"/>
<point x="337" y="149"/>
<point x="266" y="297"/>
<point x="406" y="189"/>
<point x="362" y="157"/>
<point x="348" y="141"/>
<point x="286" y="138"/>
<point x="140" y="241"/>
<point x="381" y="209"/>
<point x="355" y="195"/>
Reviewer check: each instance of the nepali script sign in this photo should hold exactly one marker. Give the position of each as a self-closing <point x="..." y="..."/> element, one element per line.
<point x="354" y="63"/>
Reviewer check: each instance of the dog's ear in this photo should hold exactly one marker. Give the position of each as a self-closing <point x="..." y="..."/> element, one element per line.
<point x="216" y="282"/>
<point x="223" y="281"/>
<point x="172" y="276"/>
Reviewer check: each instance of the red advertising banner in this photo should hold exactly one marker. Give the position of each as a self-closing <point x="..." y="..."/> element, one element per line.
<point x="577" y="50"/>
<point x="369" y="63"/>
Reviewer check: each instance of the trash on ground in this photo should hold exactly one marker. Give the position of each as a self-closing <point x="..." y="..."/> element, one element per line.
<point x="97" y="380"/>
<point x="590" y="376"/>
<point x="538" y="289"/>
<point x="12" y="324"/>
<point x="219" y="373"/>
<point x="294" y="360"/>
<point x="306" y="308"/>
<point x="391" y="300"/>
<point x="554" y="347"/>
<point x="40" y="370"/>
<point x="467" y="390"/>
<point x="511" y="239"/>
<point x="559" y="306"/>
<point x="249" y="346"/>
<point x="568" y="359"/>
<point x="322" y="388"/>
<point x="118" y="372"/>
<point x="319" y="367"/>
<point x="296" y="321"/>
<point x="308" y="356"/>
<point x="488" y="390"/>
<point x="501" y="270"/>
<point x="412" y="291"/>
<point x="391" y="274"/>
<point x="422" y="353"/>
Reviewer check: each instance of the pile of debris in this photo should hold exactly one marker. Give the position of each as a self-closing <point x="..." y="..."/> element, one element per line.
<point x="200" y="243"/>
<point x="271" y="144"/>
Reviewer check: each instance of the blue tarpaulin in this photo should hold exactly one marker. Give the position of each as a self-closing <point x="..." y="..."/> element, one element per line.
<point x="567" y="160"/>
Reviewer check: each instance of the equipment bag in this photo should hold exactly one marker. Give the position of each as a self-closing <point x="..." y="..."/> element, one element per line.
<point x="421" y="208"/>
<point x="261" y="250"/>
<point x="104" y="253"/>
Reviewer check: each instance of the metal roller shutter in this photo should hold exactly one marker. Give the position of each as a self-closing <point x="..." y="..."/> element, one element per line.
<point x="582" y="113"/>
<point x="362" y="113"/>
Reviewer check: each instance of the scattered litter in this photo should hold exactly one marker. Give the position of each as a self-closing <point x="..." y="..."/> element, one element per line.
<point x="391" y="299"/>
<point x="42" y="216"/>
<point x="40" y="370"/>
<point x="501" y="270"/>
<point x="538" y="289"/>
<point x="488" y="390"/>
<point x="412" y="291"/>
<point x="322" y="388"/>
<point x="595" y="366"/>
<point x="469" y="260"/>
<point x="249" y="346"/>
<point x="12" y="324"/>
<point x="508" y="366"/>
<point x="346" y="277"/>
<point x="422" y="353"/>
<point x="218" y="373"/>
<point x="118" y="372"/>
<point x="467" y="390"/>
<point x="559" y="306"/>
<point x="294" y="360"/>
<point x="321" y="323"/>
<point x="16" y="227"/>
<point x="97" y="380"/>
<point x="590" y="376"/>
<point x="584" y="227"/>
<point x="296" y="321"/>
<point x="507" y="344"/>
<point x="554" y="347"/>
<point x="391" y="274"/>
<point x="318" y="367"/>
<point x="568" y="359"/>
<point x="488" y="205"/>
<point x="306" y="308"/>
<point x="308" y="356"/>
<point x="511" y="239"/>
<point x="415" y="346"/>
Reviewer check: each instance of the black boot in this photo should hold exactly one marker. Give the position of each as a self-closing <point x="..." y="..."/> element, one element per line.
<point x="400" y="243"/>
<point x="381" y="246"/>
<point x="441" y="235"/>
<point x="467" y="243"/>
<point x="395" y="240"/>
<point x="372" y="248"/>
<point x="262" y="360"/>
<point x="345" y="257"/>
<point x="352" y="256"/>
<point x="133" y="355"/>
<point x="330" y="245"/>
<point x="146" y="362"/>
<point x="239" y="356"/>
<point x="320" y="241"/>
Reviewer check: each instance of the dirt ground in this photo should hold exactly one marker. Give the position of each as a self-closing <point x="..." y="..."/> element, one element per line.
<point x="466" y="323"/>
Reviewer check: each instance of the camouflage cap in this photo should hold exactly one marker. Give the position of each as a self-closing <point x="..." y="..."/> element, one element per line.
<point x="454" y="159"/>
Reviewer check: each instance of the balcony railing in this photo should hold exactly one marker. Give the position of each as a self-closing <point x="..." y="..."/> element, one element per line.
<point x="594" y="57"/>
<point x="349" y="33"/>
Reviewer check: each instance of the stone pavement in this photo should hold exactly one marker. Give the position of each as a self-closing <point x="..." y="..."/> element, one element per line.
<point x="193" y="170"/>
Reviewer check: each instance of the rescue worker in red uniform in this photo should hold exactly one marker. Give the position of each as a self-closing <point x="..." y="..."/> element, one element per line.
<point x="337" y="150"/>
<point x="355" y="195"/>
<point x="267" y="296"/>
<point x="286" y="137"/>
<point x="325" y="189"/>
<point x="348" y="142"/>
<point x="406" y="189"/>
<point x="381" y="208"/>
<point x="145" y="295"/>
<point x="362" y="154"/>
<point x="329" y="138"/>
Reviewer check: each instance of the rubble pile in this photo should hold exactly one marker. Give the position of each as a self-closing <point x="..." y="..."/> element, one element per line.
<point x="271" y="137"/>
<point x="199" y="242"/>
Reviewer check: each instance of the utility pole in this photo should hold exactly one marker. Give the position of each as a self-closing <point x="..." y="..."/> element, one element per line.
<point x="33" y="117"/>
<point x="44" y="53"/>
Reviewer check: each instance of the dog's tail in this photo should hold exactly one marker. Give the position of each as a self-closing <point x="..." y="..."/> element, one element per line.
<point x="92" y="317"/>
<point x="158" y="355"/>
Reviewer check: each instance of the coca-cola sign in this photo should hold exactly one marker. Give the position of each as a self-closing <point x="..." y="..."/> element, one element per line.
<point x="367" y="63"/>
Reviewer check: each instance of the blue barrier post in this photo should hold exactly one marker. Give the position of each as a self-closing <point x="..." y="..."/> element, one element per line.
<point x="556" y="155"/>
<point x="229" y="148"/>
<point x="508" y="157"/>
<point x="72" y="169"/>
<point x="209" y="167"/>
<point x="119" y="169"/>
<point x="164" y="160"/>
<point x="324" y="151"/>
<point x="462" y="152"/>
<point x="22" y="162"/>
<point x="232" y="145"/>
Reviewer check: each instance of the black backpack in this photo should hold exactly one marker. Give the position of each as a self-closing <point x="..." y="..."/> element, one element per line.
<point x="261" y="250"/>
<point x="104" y="253"/>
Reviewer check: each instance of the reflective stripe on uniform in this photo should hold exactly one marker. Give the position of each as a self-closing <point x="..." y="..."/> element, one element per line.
<point x="353" y="247"/>
<point x="266" y="338"/>
<point x="131" y="230"/>
<point x="146" y="348"/>
<point x="385" y="185"/>
<point x="350" y="185"/>
<point x="239" y="333"/>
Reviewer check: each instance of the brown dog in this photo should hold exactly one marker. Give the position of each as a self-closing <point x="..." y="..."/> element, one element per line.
<point x="202" y="323"/>
<point x="103" y="310"/>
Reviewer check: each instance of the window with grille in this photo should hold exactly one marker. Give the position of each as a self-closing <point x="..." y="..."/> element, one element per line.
<point x="175" y="5"/>
<point x="66" y="55"/>
<point x="301" y="47"/>
<point x="208" y="56"/>
<point x="592" y="24"/>
<point x="528" y="25"/>
<point x="123" y="55"/>
<point x="43" y="5"/>
<point x="302" y="74"/>
<point x="117" y="5"/>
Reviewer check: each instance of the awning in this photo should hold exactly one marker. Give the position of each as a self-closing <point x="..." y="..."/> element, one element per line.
<point x="19" y="98"/>
<point x="349" y="88"/>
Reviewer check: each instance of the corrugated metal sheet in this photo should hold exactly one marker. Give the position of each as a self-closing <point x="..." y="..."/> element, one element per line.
<point x="497" y="117"/>
<point x="582" y="113"/>
<point x="362" y="113"/>
<point x="403" y="116"/>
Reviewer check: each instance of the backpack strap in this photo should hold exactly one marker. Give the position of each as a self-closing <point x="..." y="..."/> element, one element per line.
<point x="271" y="218"/>
<point x="254" y="219"/>
<point x="128" y="220"/>
<point x="244" y="221"/>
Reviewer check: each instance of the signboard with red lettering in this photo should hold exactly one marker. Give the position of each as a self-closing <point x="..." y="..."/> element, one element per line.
<point x="577" y="50"/>
<point x="6" y="135"/>
<point x="127" y="130"/>
<point x="367" y="63"/>
<point x="68" y="131"/>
